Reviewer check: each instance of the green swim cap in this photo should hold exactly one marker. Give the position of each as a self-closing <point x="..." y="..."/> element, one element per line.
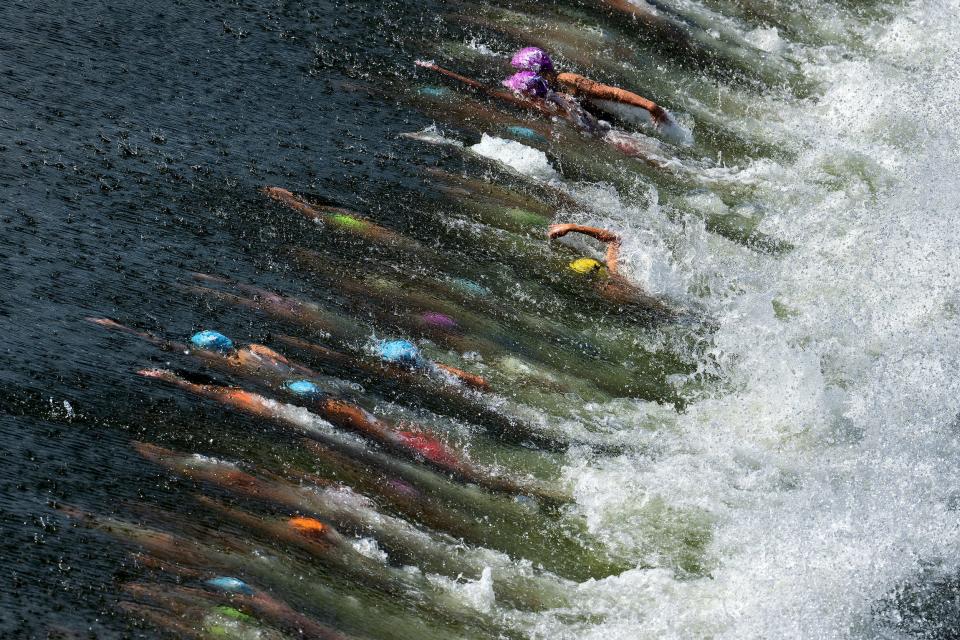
<point x="588" y="266"/>
<point x="347" y="222"/>
<point x="231" y="612"/>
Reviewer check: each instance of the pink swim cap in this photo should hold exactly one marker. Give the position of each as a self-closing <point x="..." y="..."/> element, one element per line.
<point x="532" y="59"/>
<point x="527" y="83"/>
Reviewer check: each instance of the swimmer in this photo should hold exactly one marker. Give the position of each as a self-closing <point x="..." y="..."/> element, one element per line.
<point x="613" y="285"/>
<point x="533" y="87"/>
<point x="405" y="353"/>
<point x="532" y="91"/>
<point x="311" y="316"/>
<point x="340" y="218"/>
<point x="611" y="239"/>
<point x="217" y="350"/>
<point x="605" y="97"/>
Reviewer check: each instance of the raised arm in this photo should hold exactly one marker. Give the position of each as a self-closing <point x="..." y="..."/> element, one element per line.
<point x="611" y="239"/>
<point x="590" y="89"/>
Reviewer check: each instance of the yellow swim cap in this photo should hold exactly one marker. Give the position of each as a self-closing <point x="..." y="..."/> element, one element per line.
<point x="588" y="265"/>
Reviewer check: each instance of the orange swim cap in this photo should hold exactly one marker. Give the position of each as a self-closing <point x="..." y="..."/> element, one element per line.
<point x="310" y="527"/>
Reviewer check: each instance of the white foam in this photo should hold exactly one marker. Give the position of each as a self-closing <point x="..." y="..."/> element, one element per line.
<point x="481" y="47"/>
<point x="765" y="39"/>
<point x="476" y="593"/>
<point x="519" y="157"/>
<point x="824" y="463"/>
<point x="369" y="548"/>
<point x="432" y="135"/>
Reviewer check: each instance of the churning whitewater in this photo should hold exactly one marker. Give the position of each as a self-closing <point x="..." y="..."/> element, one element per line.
<point x="825" y="465"/>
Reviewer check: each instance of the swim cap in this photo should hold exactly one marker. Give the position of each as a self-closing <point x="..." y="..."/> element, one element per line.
<point x="434" y="92"/>
<point x="441" y="320"/>
<point x="470" y="287"/>
<point x="347" y="221"/>
<point x="527" y="83"/>
<point x="227" y="583"/>
<point x="532" y="59"/>
<point x="403" y="488"/>
<point x="232" y="612"/>
<point x="587" y="265"/>
<point x="212" y="340"/>
<point x="302" y="387"/>
<point x="526" y="132"/>
<point x="310" y="527"/>
<point x="400" y="351"/>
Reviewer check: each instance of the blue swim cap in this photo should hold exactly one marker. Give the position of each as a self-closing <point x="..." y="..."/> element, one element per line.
<point x="527" y="133"/>
<point x="400" y="351"/>
<point x="471" y="287"/>
<point x="233" y="585"/>
<point x="302" y="387"/>
<point x="435" y="92"/>
<point x="212" y="340"/>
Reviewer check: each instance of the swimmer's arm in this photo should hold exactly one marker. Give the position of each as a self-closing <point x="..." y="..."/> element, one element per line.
<point x="611" y="239"/>
<point x="603" y="235"/>
<point x="294" y="202"/>
<point x="470" y="379"/>
<point x="591" y="89"/>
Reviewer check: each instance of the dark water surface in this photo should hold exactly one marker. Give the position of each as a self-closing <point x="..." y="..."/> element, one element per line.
<point x="133" y="137"/>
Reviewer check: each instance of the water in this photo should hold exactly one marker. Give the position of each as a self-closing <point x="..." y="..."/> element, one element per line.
<point x="777" y="460"/>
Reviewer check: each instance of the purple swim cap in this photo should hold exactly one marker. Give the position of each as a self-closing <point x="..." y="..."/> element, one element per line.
<point x="441" y="320"/>
<point x="532" y="59"/>
<point x="527" y="83"/>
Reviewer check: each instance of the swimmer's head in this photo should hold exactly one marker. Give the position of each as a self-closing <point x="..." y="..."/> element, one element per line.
<point x="302" y="387"/>
<point x="526" y="133"/>
<point x="434" y="92"/>
<point x="346" y="221"/>
<point x="471" y="287"/>
<point x="532" y="59"/>
<point x="400" y="352"/>
<point x="439" y="320"/>
<point x="232" y="612"/>
<point x="403" y="488"/>
<point x="309" y="527"/>
<point x="212" y="341"/>
<point x="230" y="584"/>
<point x="527" y="83"/>
<point x="588" y="266"/>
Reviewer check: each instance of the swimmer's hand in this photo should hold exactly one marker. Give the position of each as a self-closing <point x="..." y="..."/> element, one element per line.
<point x="660" y="116"/>
<point x="559" y="230"/>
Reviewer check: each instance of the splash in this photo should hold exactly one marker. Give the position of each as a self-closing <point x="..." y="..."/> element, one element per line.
<point x="519" y="157"/>
<point x="823" y="474"/>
